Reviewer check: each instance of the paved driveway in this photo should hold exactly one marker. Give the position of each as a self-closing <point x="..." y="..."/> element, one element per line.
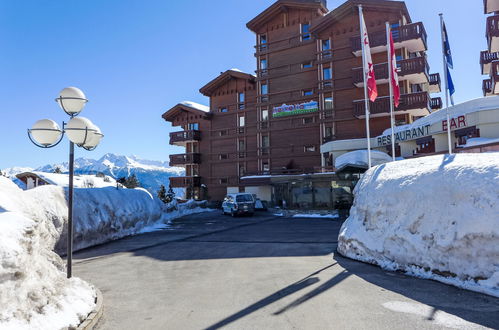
<point x="211" y="271"/>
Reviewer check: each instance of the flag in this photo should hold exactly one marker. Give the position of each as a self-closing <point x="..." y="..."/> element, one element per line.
<point x="395" y="76"/>
<point x="370" y="79"/>
<point x="447" y="52"/>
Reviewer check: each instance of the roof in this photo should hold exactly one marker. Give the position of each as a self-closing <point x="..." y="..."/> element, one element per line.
<point x="350" y="7"/>
<point x="480" y="104"/>
<point x="186" y="106"/>
<point x="224" y="77"/>
<point x="281" y="5"/>
<point x="62" y="180"/>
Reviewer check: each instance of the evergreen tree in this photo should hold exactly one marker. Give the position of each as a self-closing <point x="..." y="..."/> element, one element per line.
<point x="132" y="182"/>
<point x="162" y="194"/>
<point x="171" y="195"/>
<point x="57" y="170"/>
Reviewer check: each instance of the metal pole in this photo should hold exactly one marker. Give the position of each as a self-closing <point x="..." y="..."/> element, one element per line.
<point x="366" y="100"/>
<point x="390" y="77"/>
<point x="446" y="68"/>
<point x="70" y="210"/>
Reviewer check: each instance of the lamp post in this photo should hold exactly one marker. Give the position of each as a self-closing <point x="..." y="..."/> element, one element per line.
<point x="81" y="131"/>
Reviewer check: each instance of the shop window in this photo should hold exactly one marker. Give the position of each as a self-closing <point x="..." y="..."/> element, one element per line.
<point x="305" y="34"/>
<point x="426" y="145"/>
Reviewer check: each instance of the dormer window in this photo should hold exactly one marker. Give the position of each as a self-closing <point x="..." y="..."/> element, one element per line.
<point x="305" y="34"/>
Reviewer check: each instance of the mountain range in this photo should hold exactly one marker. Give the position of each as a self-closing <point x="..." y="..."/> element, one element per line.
<point x="151" y="174"/>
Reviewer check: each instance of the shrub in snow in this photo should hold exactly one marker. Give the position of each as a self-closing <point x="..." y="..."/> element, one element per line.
<point x="435" y="217"/>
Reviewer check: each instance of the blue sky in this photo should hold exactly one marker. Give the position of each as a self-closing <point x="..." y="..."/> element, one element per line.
<point x="135" y="59"/>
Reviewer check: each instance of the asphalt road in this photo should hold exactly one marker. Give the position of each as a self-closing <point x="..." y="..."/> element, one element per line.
<point x="211" y="271"/>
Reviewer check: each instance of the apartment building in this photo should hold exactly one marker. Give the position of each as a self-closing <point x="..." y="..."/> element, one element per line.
<point x="489" y="59"/>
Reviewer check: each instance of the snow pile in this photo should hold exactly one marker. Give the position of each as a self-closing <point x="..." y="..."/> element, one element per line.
<point x="34" y="291"/>
<point x="79" y="181"/>
<point x="479" y="141"/>
<point x="434" y="217"/>
<point x="358" y="158"/>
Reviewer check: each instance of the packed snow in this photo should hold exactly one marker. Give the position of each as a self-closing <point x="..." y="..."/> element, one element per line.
<point x="473" y="142"/>
<point x="316" y="215"/>
<point x="79" y="181"/>
<point x="433" y="217"/>
<point x="196" y="106"/>
<point x="34" y="291"/>
<point x="358" y="158"/>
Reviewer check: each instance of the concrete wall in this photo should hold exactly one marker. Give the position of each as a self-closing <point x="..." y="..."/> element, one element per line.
<point x="262" y="192"/>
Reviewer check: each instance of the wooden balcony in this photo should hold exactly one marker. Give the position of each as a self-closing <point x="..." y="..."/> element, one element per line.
<point x="185" y="181"/>
<point x="185" y="159"/>
<point x="492" y="33"/>
<point x="435" y="83"/>
<point x="413" y="69"/>
<point x="182" y="137"/>
<point x="417" y="104"/>
<point x="490" y="6"/>
<point x="487" y="87"/>
<point x="494" y="77"/>
<point x="411" y="36"/>
<point x="486" y="58"/>
<point x="436" y="103"/>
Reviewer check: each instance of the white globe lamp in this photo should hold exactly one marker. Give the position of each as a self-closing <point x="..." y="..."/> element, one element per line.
<point x="71" y="100"/>
<point x="79" y="130"/>
<point x="46" y="132"/>
<point x="94" y="139"/>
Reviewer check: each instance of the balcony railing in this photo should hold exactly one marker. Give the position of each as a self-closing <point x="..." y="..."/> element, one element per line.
<point x="486" y="58"/>
<point x="494" y="77"/>
<point x="185" y="136"/>
<point x="408" y="102"/>
<point x="487" y="87"/>
<point x="185" y="181"/>
<point x="493" y="33"/>
<point x="435" y="83"/>
<point x="436" y="103"/>
<point x="406" y="67"/>
<point x="400" y="34"/>
<point x="185" y="159"/>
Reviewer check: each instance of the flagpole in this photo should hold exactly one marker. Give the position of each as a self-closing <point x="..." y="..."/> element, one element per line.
<point x="446" y="69"/>
<point x="390" y="74"/>
<point x="366" y="99"/>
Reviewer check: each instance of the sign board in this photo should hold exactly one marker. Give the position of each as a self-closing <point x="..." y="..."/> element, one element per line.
<point x="295" y="109"/>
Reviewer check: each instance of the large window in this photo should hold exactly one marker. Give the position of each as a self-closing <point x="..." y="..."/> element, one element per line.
<point x="305" y="35"/>
<point x="194" y="126"/>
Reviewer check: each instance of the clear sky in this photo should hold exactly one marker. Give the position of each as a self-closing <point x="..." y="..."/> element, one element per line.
<point x="134" y="59"/>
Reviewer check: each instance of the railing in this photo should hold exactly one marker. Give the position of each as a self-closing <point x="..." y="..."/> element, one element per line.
<point x="184" y="159"/>
<point x="294" y="171"/>
<point x="492" y="27"/>
<point x="185" y="181"/>
<point x="487" y="87"/>
<point x="279" y="44"/>
<point x="406" y="67"/>
<point x="400" y="34"/>
<point x="184" y="136"/>
<point x="411" y="101"/>
<point x="487" y="57"/>
<point x="435" y="79"/>
<point x="436" y="103"/>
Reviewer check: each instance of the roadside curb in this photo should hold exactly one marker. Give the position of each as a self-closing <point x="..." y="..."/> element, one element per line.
<point x="95" y="315"/>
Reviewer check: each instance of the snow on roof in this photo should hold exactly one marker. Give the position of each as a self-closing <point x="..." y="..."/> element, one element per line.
<point x="359" y="158"/>
<point x="196" y="106"/>
<point x="481" y="104"/>
<point x="236" y="69"/>
<point x="80" y="181"/>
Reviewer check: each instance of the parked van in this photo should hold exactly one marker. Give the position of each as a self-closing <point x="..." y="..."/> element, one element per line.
<point x="237" y="204"/>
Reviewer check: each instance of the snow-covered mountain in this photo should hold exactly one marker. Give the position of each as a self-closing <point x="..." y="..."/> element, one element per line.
<point x="151" y="174"/>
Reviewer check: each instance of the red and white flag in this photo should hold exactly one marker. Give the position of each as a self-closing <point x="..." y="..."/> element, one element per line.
<point x="370" y="79"/>
<point x="395" y="76"/>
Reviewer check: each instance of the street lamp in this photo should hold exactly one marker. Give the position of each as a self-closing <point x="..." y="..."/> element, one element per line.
<point x="81" y="131"/>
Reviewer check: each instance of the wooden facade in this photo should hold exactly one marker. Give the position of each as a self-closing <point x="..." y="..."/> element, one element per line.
<point x="304" y="54"/>
<point x="489" y="59"/>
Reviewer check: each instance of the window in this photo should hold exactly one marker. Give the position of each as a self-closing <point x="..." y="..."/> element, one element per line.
<point x="265" y="141"/>
<point x="329" y="131"/>
<point x="264" y="89"/>
<point x="194" y="126"/>
<point x="242" y="170"/>
<point x="223" y="181"/>
<point x="265" y="115"/>
<point x="308" y="92"/>
<point x="240" y="100"/>
<point x="265" y="167"/>
<point x="263" y="41"/>
<point x="308" y="120"/>
<point x="327" y="73"/>
<point x="305" y="35"/>
<point x="223" y="156"/>
<point x="241" y="145"/>
<point x="309" y="148"/>
<point x="328" y="103"/>
<point x="223" y="109"/>
<point x="326" y="44"/>
<point x="224" y="132"/>
<point x="306" y="65"/>
<point x="263" y="64"/>
<point x="395" y="31"/>
<point x="241" y="121"/>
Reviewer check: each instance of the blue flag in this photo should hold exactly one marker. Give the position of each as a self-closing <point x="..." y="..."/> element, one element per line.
<point x="450" y="84"/>
<point x="448" y="53"/>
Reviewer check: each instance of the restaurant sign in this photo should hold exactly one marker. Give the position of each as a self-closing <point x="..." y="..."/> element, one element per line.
<point x="295" y="109"/>
<point x="404" y="135"/>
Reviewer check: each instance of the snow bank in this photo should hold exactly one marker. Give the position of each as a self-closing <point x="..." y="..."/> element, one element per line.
<point x="316" y="215"/>
<point x="34" y="291"/>
<point x="433" y="217"/>
<point x="358" y="158"/>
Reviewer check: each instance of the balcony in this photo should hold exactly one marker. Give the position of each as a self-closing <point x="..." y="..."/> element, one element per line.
<point x="182" y="137"/>
<point x="185" y="159"/>
<point x="486" y="59"/>
<point x="185" y="181"/>
<point x="410" y="36"/>
<point x="417" y="104"/>
<point x="414" y="69"/>
<point x="494" y="77"/>
<point x="490" y="6"/>
<point x="492" y="33"/>
<point x="435" y="103"/>
<point x="487" y="87"/>
<point x="435" y="83"/>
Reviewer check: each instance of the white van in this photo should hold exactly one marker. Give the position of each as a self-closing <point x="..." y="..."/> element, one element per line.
<point x="237" y="204"/>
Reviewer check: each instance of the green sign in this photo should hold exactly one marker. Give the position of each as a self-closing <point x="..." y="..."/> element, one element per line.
<point x="295" y="109"/>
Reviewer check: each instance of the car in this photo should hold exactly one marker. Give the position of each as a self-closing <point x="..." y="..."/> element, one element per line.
<point x="238" y="204"/>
